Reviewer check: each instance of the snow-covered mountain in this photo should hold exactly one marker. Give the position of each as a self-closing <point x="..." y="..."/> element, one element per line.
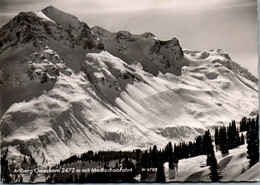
<point x="153" y="54"/>
<point x="67" y="88"/>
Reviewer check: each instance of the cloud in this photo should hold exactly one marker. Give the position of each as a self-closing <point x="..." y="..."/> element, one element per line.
<point x="200" y="4"/>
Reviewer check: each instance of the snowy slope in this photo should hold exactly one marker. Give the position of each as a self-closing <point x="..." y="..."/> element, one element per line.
<point x="67" y="118"/>
<point x="70" y="89"/>
<point x="233" y="167"/>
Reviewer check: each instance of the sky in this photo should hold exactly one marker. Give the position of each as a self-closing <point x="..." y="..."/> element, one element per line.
<point x="230" y="25"/>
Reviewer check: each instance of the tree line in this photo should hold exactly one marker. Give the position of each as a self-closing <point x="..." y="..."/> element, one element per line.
<point x="101" y="156"/>
<point x="252" y="139"/>
<point x="226" y="138"/>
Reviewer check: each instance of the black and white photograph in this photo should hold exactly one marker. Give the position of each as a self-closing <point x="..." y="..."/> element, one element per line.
<point x="129" y="91"/>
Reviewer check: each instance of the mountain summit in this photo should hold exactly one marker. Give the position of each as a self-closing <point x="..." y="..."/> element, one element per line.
<point x="67" y="88"/>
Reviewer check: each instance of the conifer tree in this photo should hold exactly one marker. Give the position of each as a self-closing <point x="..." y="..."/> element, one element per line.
<point x="207" y="143"/>
<point x="21" y="179"/>
<point x="217" y="140"/>
<point x="168" y="151"/>
<point x="198" y="145"/>
<point x="237" y="138"/>
<point x="231" y="132"/>
<point x="160" y="175"/>
<point x="242" y="139"/>
<point x="145" y="160"/>
<point x="215" y="174"/>
<point x="181" y="155"/>
<point x="176" y="151"/>
<point x="223" y="141"/>
<point x="211" y="159"/>
<point x="253" y="142"/>
<point x="192" y="151"/>
<point x="154" y="157"/>
<point x="185" y="150"/>
<point x="169" y="155"/>
<point x="243" y="124"/>
<point x="145" y="163"/>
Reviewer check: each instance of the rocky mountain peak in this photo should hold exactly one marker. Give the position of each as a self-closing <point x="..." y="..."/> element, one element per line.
<point x="48" y="26"/>
<point x="153" y="54"/>
<point x="51" y="8"/>
<point x="66" y="20"/>
<point x="148" y="34"/>
<point x="24" y="28"/>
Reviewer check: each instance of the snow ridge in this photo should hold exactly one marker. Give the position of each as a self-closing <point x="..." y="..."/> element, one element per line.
<point x="154" y="55"/>
<point x="64" y="19"/>
<point x="218" y="56"/>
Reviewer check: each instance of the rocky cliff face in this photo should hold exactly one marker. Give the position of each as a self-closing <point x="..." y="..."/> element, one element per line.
<point x="154" y="55"/>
